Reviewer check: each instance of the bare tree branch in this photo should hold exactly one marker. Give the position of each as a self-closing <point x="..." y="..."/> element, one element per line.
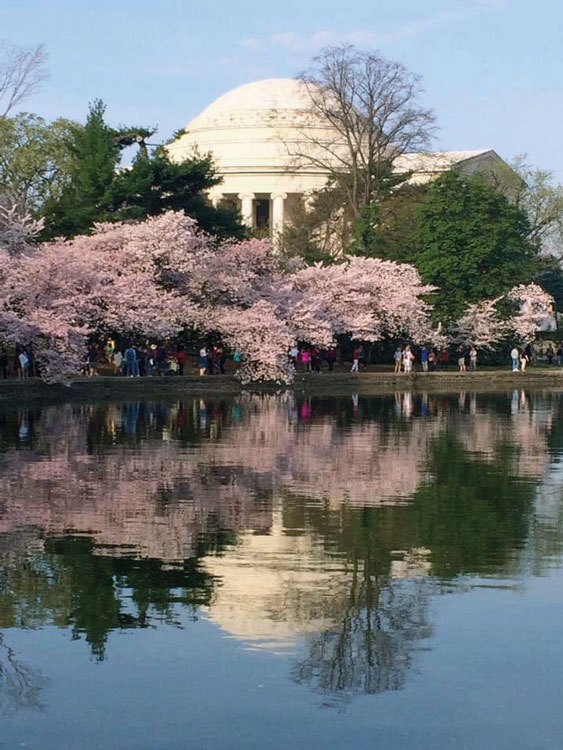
<point x="22" y="71"/>
<point x="372" y="116"/>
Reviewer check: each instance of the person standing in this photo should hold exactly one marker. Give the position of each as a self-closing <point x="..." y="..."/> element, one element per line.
<point x="315" y="359"/>
<point x="293" y="355"/>
<point x="4" y="363"/>
<point x="408" y="359"/>
<point x="181" y="358"/>
<point x="23" y="364"/>
<point x="161" y="360"/>
<point x="473" y="358"/>
<point x="432" y="360"/>
<point x="515" y="356"/>
<point x="444" y="359"/>
<point x="461" y="359"/>
<point x="559" y="354"/>
<point x="202" y="361"/>
<point x="550" y="354"/>
<point x="131" y="364"/>
<point x="523" y="360"/>
<point x="424" y="358"/>
<point x="398" y="357"/>
<point x="118" y="363"/>
<point x="306" y="359"/>
<point x="331" y="358"/>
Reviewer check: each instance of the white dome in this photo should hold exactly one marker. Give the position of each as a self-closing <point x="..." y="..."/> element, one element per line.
<point x="258" y="128"/>
<point x="277" y="94"/>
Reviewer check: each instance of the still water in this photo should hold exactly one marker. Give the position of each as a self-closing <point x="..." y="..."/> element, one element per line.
<point x="278" y="572"/>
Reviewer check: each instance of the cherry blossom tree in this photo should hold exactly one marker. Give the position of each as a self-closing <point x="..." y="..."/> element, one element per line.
<point x="483" y="325"/>
<point x="155" y="278"/>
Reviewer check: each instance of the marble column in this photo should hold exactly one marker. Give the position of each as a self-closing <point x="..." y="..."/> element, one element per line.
<point x="247" y="208"/>
<point x="215" y="198"/>
<point x="278" y="204"/>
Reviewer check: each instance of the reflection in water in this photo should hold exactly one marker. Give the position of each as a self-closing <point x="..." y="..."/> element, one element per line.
<point x="316" y="527"/>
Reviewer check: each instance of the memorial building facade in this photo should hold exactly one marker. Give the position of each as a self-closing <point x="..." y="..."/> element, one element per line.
<point x="261" y="137"/>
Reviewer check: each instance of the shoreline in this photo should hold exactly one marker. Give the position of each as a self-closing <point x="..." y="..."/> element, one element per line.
<point x="100" y="388"/>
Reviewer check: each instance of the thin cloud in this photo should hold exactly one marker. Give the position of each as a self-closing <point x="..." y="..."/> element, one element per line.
<point x="295" y="42"/>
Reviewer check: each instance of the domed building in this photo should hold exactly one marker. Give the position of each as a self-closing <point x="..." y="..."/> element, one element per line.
<point x="263" y="137"/>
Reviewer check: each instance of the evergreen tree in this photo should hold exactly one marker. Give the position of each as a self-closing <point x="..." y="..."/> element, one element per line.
<point x="95" y="153"/>
<point x="155" y="184"/>
<point x="98" y="190"/>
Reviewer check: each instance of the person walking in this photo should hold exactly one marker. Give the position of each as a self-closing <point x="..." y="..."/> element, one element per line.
<point x="515" y="356"/>
<point x="356" y="359"/>
<point x="473" y="358"/>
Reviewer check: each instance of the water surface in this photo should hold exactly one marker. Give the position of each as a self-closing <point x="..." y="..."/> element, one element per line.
<point x="274" y="572"/>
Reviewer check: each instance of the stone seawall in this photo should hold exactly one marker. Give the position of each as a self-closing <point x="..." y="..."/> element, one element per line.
<point x="376" y="382"/>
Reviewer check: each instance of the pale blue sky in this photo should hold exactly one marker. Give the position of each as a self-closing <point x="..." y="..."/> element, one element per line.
<point x="492" y="69"/>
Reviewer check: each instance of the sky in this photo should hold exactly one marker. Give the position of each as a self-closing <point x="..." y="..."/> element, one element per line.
<point x="491" y="69"/>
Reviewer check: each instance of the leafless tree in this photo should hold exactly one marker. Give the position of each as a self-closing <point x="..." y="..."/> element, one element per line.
<point x="22" y="71"/>
<point x="372" y="115"/>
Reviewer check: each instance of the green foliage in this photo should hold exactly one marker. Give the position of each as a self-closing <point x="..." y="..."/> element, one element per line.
<point x="155" y="184"/>
<point x="471" y="242"/>
<point x="34" y="159"/>
<point x="95" y="153"/>
<point x="98" y="190"/>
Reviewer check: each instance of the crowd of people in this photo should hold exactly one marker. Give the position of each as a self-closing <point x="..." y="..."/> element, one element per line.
<point x="432" y="360"/>
<point x="151" y="359"/>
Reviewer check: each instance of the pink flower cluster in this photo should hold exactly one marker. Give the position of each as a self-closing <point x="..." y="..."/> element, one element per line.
<point x="159" y="276"/>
